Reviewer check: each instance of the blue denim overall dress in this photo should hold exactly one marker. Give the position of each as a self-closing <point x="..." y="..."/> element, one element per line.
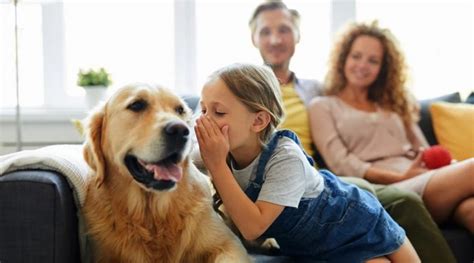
<point x="342" y="224"/>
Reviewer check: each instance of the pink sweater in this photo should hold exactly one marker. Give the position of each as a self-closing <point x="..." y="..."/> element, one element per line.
<point x="351" y="140"/>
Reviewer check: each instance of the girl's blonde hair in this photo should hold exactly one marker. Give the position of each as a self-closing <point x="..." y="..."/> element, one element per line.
<point x="388" y="90"/>
<point x="257" y="88"/>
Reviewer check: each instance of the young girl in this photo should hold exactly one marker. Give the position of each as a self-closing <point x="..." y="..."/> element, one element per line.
<point x="270" y="187"/>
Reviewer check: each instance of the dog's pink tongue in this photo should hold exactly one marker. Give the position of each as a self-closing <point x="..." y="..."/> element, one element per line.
<point x="170" y="172"/>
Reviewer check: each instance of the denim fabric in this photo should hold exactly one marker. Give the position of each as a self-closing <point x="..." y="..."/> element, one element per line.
<point x="343" y="224"/>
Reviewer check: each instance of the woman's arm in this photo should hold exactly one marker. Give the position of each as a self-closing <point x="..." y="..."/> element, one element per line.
<point x="416" y="137"/>
<point x="382" y="176"/>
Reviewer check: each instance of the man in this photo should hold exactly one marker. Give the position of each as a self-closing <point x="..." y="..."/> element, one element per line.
<point x="275" y="33"/>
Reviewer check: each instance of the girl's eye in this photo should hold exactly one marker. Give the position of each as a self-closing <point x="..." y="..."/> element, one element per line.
<point x="203" y="111"/>
<point x="137" y="106"/>
<point x="220" y="113"/>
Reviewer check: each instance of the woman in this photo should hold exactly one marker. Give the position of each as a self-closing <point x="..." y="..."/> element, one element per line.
<point x="366" y="126"/>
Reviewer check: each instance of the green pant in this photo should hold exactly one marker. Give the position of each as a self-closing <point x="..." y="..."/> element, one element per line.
<point x="408" y="210"/>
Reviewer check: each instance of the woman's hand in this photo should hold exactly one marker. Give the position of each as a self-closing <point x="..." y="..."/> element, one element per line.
<point x="416" y="168"/>
<point x="383" y="176"/>
<point x="213" y="142"/>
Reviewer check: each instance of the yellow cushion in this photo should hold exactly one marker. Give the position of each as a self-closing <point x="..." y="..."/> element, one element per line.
<point x="453" y="125"/>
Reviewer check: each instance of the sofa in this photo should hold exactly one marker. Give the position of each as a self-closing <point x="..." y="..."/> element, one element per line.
<point x="38" y="215"/>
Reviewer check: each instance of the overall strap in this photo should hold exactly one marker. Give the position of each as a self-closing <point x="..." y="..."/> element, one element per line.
<point x="253" y="189"/>
<point x="292" y="135"/>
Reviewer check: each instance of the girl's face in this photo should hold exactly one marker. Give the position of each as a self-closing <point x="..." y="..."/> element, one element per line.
<point x="219" y="103"/>
<point x="364" y="61"/>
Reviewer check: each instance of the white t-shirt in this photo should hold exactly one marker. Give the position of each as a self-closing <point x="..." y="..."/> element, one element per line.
<point x="288" y="176"/>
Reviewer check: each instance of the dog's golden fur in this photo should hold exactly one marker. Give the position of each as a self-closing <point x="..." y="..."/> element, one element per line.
<point x="129" y="221"/>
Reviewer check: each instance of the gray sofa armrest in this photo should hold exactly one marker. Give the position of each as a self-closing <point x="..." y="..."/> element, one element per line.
<point x="38" y="221"/>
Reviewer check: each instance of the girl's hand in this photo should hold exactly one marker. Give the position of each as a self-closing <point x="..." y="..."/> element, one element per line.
<point x="417" y="167"/>
<point x="213" y="142"/>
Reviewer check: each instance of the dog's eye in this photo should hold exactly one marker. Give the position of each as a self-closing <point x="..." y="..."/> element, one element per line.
<point x="179" y="109"/>
<point x="137" y="106"/>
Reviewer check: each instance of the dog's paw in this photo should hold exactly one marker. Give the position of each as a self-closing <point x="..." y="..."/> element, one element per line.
<point x="270" y="243"/>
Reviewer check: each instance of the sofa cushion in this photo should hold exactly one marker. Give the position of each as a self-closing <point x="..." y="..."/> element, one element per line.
<point x="425" y="122"/>
<point x="192" y="101"/>
<point x="454" y="127"/>
<point x="470" y="98"/>
<point x="460" y="241"/>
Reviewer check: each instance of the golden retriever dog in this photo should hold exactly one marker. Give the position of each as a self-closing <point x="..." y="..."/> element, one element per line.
<point x="146" y="201"/>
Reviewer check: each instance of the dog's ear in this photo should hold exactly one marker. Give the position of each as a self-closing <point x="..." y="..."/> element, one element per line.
<point x="93" y="153"/>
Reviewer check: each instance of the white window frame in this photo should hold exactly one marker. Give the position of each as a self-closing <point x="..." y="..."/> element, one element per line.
<point x="185" y="46"/>
<point x="54" y="65"/>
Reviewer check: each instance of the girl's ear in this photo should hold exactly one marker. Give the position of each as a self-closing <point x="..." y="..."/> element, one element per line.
<point x="261" y="121"/>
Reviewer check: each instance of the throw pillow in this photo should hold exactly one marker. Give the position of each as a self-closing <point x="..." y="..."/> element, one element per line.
<point x="425" y="122"/>
<point x="454" y="127"/>
<point x="470" y="98"/>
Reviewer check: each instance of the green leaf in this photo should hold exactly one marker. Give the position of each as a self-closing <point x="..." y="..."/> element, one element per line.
<point x="93" y="77"/>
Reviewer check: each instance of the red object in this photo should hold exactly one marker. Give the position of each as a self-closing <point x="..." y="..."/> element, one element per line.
<point x="436" y="156"/>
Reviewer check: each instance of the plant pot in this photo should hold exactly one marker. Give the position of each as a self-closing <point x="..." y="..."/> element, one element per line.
<point x="94" y="94"/>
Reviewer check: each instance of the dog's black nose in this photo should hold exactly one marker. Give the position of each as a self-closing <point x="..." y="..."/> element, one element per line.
<point x="177" y="134"/>
<point x="176" y="129"/>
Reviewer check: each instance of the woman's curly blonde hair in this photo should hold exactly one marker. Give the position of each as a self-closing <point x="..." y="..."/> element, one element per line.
<point x="388" y="90"/>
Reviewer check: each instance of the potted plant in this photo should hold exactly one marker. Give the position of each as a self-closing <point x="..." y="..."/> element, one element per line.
<point x="95" y="83"/>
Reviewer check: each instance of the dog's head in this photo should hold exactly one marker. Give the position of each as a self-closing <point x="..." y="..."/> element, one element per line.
<point x="141" y="132"/>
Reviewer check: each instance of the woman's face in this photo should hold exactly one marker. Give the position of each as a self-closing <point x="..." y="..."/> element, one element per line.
<point x="220" y="104"/>
<point x="364" y="61"/>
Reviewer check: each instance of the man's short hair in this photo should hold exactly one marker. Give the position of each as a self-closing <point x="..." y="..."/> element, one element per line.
<point x="273" y="5"/>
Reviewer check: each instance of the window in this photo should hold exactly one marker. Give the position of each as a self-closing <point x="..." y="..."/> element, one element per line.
<point x="29" y="56"/>
<point x="7" y="59"/>
<point x="133" y="41"/>
<point x="436" y="37"/>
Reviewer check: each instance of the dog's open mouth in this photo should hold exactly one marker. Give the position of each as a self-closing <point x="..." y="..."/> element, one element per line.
<point x="160" y="175"/>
